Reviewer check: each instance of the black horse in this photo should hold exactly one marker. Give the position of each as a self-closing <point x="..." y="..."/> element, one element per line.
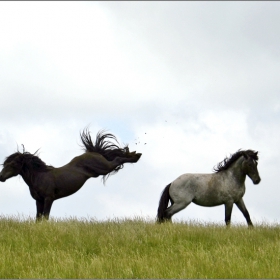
<point x="47" y="183"/>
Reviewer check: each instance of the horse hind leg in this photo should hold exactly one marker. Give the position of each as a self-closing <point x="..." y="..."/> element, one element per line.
<point x="106" y="166"/>
<point x="175" y="208"/>
<point x="121" y="160"/>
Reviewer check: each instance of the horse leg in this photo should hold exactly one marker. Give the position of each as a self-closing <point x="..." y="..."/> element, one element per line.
<point x="104" y="166"/>
<point x="40" y="209"/>
<point x="47" y="207"/>
<point x="228" y="210"/>
<point x="175" y="208"/>
<point x="121" y="160"/>
<point x="241" y="205"/>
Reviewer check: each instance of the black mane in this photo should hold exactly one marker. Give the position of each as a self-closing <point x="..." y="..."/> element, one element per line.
<point x="226" y="163"/>
<point x="28" y="162"/>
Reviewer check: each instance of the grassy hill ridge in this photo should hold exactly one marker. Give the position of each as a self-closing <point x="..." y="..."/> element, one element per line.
<point x="136" y="248"/>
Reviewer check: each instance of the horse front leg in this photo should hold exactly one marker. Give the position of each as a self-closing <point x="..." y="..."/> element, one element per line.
<point x="241" y="205"/>
<point x="228" y="210"/>
<point x="40" y="209"/>
<point x="47" y="207"/>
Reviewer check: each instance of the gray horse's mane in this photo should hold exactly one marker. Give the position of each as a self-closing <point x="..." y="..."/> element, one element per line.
<point x="228" y="161"/>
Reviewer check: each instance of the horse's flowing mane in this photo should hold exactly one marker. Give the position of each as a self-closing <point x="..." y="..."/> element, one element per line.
<point x="226" y="163"/>
<point x="104" y="147"/>
<point x="28" y="162"/>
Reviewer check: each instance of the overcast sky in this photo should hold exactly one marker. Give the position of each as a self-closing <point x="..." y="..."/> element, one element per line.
<point x="195" y="81"/>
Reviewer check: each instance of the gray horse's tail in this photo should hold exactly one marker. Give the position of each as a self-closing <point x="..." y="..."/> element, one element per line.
<point x="163" y="204"/>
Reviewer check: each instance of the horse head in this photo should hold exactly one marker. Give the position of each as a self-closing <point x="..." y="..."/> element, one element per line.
<point x="12" y="166"/>
<point x="250" y="165"/>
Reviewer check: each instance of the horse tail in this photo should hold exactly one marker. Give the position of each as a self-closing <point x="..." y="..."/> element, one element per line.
<point x="103" y="145"/>
<point x="163" y="204"/>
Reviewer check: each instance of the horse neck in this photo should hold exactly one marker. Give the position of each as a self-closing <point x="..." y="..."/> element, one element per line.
<point x="28" y="177"/>
<point x="237" y="170"/>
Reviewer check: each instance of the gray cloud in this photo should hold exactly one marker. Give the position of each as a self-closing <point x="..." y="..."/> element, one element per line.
<point x="195" y="81"/>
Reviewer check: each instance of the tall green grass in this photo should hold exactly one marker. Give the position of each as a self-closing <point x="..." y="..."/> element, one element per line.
<point x="138" y="248"/>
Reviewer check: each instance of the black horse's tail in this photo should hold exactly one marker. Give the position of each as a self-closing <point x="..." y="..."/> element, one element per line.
<point x="163" y="204"/>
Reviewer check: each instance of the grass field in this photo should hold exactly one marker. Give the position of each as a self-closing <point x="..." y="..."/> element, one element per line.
<point x="136" y="248"/>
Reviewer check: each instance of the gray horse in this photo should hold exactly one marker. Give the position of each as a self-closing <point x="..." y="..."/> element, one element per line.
<point x="47" y="183"/>
<point x="225" y="186"/>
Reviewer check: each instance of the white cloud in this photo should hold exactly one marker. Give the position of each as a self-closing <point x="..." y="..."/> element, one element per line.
<point x="195" y="81"/>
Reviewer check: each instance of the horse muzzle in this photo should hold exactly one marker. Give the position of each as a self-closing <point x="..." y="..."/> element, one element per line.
<point x="2" y="179"/>
<point x="257" y="181"/>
